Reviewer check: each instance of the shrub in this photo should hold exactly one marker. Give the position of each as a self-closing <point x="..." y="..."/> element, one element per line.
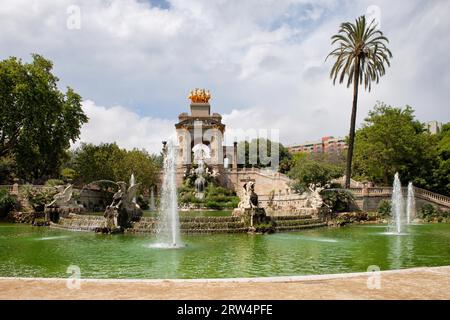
<point x="338" y="200"/>
<point x="213" y="205"/>
<point x="68" y="174"/>
<point x="428" y="211"/>
<point x="38" y="198"/>
<point x="384" y="208"/>
<point x="54" y="183"/>
<point x="7" y="202"/>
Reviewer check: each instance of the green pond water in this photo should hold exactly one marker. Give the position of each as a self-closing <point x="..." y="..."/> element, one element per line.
<point x="27" y="251"/>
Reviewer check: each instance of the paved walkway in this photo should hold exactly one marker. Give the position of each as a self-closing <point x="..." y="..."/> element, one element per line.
<point x="418" y="283"/>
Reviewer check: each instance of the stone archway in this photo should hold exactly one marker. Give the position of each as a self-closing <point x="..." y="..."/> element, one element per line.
<point x="201" y="151"/>
<point x="200" y="127"/>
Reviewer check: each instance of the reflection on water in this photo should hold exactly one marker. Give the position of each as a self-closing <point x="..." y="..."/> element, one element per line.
<point x="401" y="250"/>
<point x="318" y="251"/>
<point x="304" y="238"/>
<point x="52" y="238"/>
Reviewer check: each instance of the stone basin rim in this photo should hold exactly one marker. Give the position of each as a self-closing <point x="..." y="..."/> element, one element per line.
<point x="278" y="279"/>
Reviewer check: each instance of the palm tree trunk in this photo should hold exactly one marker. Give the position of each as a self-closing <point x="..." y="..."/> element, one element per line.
<point x="351" y="136"/>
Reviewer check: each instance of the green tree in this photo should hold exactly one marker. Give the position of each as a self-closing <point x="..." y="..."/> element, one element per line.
<point x="93" y="163"/>
<point x="391" y="140"/>
<point x="144" y="166"/>
<point x="109" y="162"/>
<point x="37" y="120"/>
<point x="307" y="170"/>
<point x="360" y="56"/>
<point x="258" y="152"/>
<point x="440" y="181"/>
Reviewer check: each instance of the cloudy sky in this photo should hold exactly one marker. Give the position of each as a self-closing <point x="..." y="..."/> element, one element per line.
<point x="134" y="61"/>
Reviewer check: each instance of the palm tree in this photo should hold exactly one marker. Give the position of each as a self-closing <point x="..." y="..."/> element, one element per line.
<point x="361" y="56"/>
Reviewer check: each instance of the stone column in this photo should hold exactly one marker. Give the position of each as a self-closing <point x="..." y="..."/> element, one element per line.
<point x="15" y="189"/>
<point x="235" y="156"/>
<point x="183" y="150"/>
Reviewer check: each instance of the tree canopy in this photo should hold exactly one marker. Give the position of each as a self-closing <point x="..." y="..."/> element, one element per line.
<point x="391" y="140"/>
<point x="108" y="162"/>
<point x="258" y="152"/>
<point x="307" y="169"/>
<point x="37" y="120"/>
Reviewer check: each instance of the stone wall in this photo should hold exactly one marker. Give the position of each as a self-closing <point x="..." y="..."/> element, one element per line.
<point x="92" y="200"/>
<point x="265" y="180"/>
<point x="368" y="199"/>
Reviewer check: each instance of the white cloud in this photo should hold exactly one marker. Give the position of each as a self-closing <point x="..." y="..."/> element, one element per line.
<point x="117" y="124"/>
<point x="262" y="60"/>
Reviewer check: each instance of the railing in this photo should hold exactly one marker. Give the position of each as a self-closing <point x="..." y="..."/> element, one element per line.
<point x="431" y="196"/>
<point x="10" y="187"/>
<point x="418" y="192"/>
<point x="265" y="172"/>
<point x="7" y="187"/>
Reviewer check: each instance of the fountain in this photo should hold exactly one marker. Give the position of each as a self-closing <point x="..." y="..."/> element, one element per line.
<point x="168" y="227"/>
<point x="152" y="199"/>
<point x="397" y="207"/>
<point x="132" y="183"/>
<point x="410" y="204"/>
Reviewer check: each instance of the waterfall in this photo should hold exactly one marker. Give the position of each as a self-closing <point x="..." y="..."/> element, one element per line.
<point x="168" y="228"/>
<point x="411" y="204"/>
<point x="397" y="207"/>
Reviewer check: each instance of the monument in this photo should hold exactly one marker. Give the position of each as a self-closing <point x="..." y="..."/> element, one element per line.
<point x="62" y="204"/>
<point x="250" y="212"/>
<point x="200" y="131"/>
<point x="122" y="210"/>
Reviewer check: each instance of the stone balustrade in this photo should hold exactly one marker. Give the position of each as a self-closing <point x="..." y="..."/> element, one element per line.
<point x="431" y="196"/>
<point x="386" y="192"/>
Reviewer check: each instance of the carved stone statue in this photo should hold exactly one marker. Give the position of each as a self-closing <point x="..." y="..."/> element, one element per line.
<point x="199" y="96"/>
<point x="122" y="209"/>
<point x="62" y="204"/>
<point x="249" y="211"/>
<point x="63" y="197"/>
<point x="314" y="198"/>
<point x="249" y="198"/>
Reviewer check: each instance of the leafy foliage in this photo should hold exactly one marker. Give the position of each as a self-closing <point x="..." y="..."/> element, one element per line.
<point x="307" y="170"/>
<point x="109" y="162"/>
<point x="361" y="54"/>
<point x="258" y="153"/>
<point x="430" y="213"/>
<point x="384" y="208"/>
<point x="391" y="141"/>
<point x="37" y="120"/>
<point x="7" y="202"/>
<point x="215" y="197"/>
<point x="440" y="179"/>
<point x="338" y="200"/>
<point x="38" y="198"/>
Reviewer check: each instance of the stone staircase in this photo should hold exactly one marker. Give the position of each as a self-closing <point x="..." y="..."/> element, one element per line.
<point x="212" y="225"/>
<point x="78" y="222"/>
<point x="292" y="223"/>
<point x="367" y="199"/>
<point x="194" y="225"/>
<point x="190" y="225"/>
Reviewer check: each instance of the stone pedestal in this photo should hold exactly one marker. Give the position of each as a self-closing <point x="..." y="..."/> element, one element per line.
<point x="253" y="219"/>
